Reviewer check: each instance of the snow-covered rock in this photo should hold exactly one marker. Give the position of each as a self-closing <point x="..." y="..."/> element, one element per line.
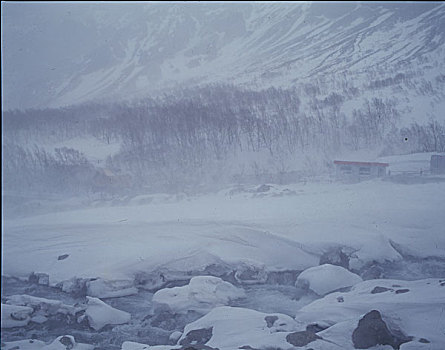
<point x="67" y="342"/>
<point x="228" y="327"/>
<point x="28" y="344"/>
<point x="100" y="314"/>
<point x="327" y="278"/>
<point x="101" y="288"/>
<point x="202" y="294"/>
<point x="42" y="305"/>
<point x="175" y="336"/>
<point x="34" y="309"/>
<point x="63" y="342"/>
<point x="15" y="316"/>
<point x="413" y="307"/>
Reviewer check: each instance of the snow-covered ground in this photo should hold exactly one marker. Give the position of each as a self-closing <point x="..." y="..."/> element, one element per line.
<point x="274" y="233"/>
<point x="263" y="245"/>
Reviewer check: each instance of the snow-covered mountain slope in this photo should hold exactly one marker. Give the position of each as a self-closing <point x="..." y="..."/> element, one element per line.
<point x="58" y="54"/>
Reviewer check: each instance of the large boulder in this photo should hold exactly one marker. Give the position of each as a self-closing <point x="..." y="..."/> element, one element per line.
<point x="100" y="314"/>
<point x="372" y="331"/>
<point x="301" y="338"/>
<point x="202" y="294"/>
<point x="327" y="278"/>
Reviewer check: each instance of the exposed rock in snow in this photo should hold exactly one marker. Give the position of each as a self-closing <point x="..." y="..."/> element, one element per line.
<point x="372" y="331"/>
<point x="301" y="338"/>
<point x="101" y="288"/>
<point x="74" y="285"/>
<point x="327" y="278"/>
<point x="39" y="278"/>
<point x="100" y="314"/>
<point x="15" y="316"/>
<point x="335" y="256"/>
<point x="202" y="294"/>
<point x="250" y="274"/>
<point x="197" y="336"/>
<point x="67" y="342"/>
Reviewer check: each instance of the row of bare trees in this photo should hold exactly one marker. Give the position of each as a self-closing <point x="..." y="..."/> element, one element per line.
<point x="203" y="135"/>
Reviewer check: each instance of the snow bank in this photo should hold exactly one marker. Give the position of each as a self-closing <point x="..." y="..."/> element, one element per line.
<point x="15" y="316"/>
<point x="280" y="233"/>
<point x="202" y="294"/>
<point x="100" y="314"/>
<point x="326" y="278"/>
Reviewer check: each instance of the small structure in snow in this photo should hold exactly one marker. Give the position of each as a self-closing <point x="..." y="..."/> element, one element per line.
<point x="105" y="180"/>
<point x="357" y="171"/>
<point x="437" y="164"/>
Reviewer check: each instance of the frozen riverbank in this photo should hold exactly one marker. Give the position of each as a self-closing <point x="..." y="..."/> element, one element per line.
<point x="259" y="239"/>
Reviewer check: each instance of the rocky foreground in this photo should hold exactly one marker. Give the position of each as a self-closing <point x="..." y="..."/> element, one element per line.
<point x="340" y="311"/>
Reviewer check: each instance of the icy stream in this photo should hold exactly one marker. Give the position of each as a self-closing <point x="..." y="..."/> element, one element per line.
<point x="156" y="325"/>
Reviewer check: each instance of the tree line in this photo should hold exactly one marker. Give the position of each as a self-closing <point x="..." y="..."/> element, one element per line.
<point x="202" y="135"/>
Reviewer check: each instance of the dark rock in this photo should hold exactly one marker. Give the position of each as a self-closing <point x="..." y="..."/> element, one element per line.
<point x="287" y="278"/>
<point x="372" y="331"/>
<point x="315" y="328"/>
<point x="401" y="291"/>
<point x="270" y="320"/>
<point x="62" y="257"/>
<point x="335" y="257"/>
<point x="197" y="336"/>
<point x="372" y="272"/>
<point x="340" y="299"/>
<point x="67" y="342"/>
<point x="423" y="340"/>
<point x="301" y="338"/>
<point x="378" y="289"/>
<point x="250" y="275"/>
<point x="165" y="319"/>
<point x="39" y="278"/>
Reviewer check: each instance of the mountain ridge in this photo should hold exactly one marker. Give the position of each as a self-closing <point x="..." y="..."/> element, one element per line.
<point x="120" y="51"/>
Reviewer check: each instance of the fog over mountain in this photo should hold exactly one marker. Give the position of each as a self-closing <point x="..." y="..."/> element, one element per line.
<point x="57" y="54"/>
<point x="221" y="176"/>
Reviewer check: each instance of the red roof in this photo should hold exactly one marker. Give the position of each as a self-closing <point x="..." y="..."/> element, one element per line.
<point x="345" y="162"/>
